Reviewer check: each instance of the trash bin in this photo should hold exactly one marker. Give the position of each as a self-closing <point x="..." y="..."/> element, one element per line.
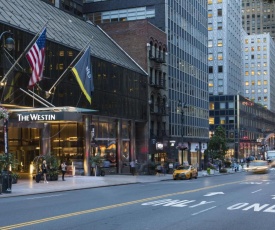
<point x="6" y="181"/>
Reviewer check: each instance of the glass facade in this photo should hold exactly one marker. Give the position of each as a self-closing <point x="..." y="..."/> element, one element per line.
<point x="246" y="124"/>
<point x="120" y="96"/>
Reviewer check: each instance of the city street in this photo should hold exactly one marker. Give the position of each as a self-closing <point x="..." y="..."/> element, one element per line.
<point x="236" y="201"/>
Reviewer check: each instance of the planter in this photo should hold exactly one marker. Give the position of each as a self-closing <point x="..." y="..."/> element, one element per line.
<point x="212" y="172"/>
<point x="14" y="180"/>
<point x="53" y="177"/>
<point x="6" y="180"/>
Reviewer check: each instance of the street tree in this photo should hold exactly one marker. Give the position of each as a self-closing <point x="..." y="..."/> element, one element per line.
<point x="217" y="146"/>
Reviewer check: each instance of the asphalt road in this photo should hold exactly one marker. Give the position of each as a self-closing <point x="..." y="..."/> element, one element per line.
<point x="237" y="201"/>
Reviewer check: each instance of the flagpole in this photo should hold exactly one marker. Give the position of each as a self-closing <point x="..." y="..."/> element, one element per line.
<point x="22" y="54"/>
<point x="48" y="93"/>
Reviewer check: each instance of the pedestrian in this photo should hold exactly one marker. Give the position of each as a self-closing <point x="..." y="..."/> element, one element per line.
<point x="133" y="167"/>
<point x="44" y="171"/>
<point x="63" y="169"/>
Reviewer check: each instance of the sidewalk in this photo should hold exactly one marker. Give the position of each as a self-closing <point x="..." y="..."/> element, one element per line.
<point x="28" y="186"/>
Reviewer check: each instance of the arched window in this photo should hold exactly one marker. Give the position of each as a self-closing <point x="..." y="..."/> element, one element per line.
<point x="164" y="54"/>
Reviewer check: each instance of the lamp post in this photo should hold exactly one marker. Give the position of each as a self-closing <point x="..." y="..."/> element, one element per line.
<point x="9" y="45"/>
<point x="180" y="109"/>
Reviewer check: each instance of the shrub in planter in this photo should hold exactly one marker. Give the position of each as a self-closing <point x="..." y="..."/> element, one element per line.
<point x="223" y="170"/>
<point x="208" y="170"/>
<point x="15" y="177"/>
<point x="52" y="174"/>
<point x="227" y="164"/>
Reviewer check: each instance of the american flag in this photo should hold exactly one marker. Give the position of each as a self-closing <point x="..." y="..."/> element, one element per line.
<point x="36" y="58"/>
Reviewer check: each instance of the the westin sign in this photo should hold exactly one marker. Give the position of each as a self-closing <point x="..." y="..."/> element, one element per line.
<point x="37" y="117"/>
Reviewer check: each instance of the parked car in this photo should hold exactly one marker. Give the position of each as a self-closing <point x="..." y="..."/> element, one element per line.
<point x="185" y="172"/>
<point x="257" y="166"/>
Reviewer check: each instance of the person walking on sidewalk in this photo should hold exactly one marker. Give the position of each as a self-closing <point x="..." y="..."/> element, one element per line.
<point x="44" y="171"/>
<point x="133" y="167"/>
<point x="63" y="169"/>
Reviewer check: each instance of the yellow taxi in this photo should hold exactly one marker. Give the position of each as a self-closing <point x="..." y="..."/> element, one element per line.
<point x="257" y="166"/>
<point x="185" y="172"/>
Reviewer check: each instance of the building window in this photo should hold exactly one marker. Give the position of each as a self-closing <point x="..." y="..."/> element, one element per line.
<point x="210" y="26"/>
<point x="211" y="121"/>
<point x="210" y="2"/>
<point x="246" y="73"/>
<point x="231" y="120"/>
<point x="259" y="99"/>
<point x="222" y="105"/>
<point x="220" y="56"/>
<point x="265" y="90"/>
<point x="265" y="98"/>
<point x="220" y="82"/>
<point x="252" y="48"/>
<point x="259" y="82"/>
<point x="246" y="49"/>
<point x="219" y="42"/>
<point x="211" y="106"/>
<point x="258" y="48"/>
<point x="230" y="105"/>
<point x="210" y="43"/>
<point x="222" y="120"/>
<point x="259" y="90"/>
<point x="252" y="56"/>
<point x="210" y="68"/>
<point x="219" y="26"/>
<point x="219" y="12"/>
<point x="247" y="91"/>
<point x="252" y="82"/>
<point x="265" y="82"/>
<point x="247" y="83"/>
<point x="210" y="57"/>
<point x="246" y="41"/>
<point x="252" y="72"/>
<point x="220" y="69"/>
<point x="253" y="91"/>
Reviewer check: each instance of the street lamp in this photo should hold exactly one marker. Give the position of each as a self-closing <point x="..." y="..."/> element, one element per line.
<point x="180" y="109"/>
<point x="9" y="45"/>
<point x="6" y="178"/>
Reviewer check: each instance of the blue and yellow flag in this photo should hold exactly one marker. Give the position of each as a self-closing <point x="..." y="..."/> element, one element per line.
<point x="83" y="73"/>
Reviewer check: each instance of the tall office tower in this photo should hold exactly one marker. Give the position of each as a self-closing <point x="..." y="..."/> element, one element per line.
<point x="258" y="17"/>
<point x="259" y="69"/>
<point x="185" y="23"/>
<point x="224" y="47"/>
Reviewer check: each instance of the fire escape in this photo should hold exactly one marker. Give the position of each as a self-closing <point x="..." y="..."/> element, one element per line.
<point x="158" y="100"/>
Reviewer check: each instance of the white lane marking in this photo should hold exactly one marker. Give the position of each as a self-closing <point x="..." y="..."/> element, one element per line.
<point x="214" y="193"/>
<point x="41" y="197"/>
<point x="203" y="211"/>
<point x="257" y="191"/>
